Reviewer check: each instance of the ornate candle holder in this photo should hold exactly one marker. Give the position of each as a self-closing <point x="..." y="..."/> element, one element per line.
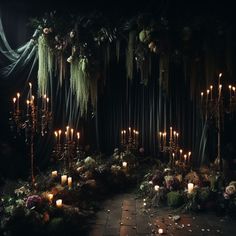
<point x="33" y="119"/>
<point x="129" y="139"/>
<point x="67" y="147"/>
<point x="213" y="107"/>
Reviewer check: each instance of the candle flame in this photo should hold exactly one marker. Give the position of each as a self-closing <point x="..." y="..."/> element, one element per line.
<point x="78" y="135"/>
<point x="208" y="91"/>
<point x="180" y="151"/>
<point x="220" y="75"/>
<point x="230" y="86"/>
<point x="211" y="87"/>
<point x="30" y="85"/>
<point x="27" y="102"/>
<point x="189" y="153"/>
<point x="47" y="100"/>
<point x="18" y="95"/>
<point x="173" y="154"/>
<point x="67" y="127"/>
<point x="59" y="132"/>
<point x="14" y="100"/>
<point x="233" y="88"/>
<point x="220" y="86"/>
<point x="202" y="94"/>
<point x="45" y="96"/>
<point x="55" y="133"/>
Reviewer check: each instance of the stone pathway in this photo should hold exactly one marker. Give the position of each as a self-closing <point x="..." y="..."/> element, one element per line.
<point x="124" y="215"/>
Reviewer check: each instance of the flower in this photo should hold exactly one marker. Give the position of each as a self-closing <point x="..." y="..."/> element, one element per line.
<point x="46" y="30"/>
<point x="69" y="59"/>
<point x="226" y="196"/>
<point x="230" y="190"/>
<point x="72" y="34"/>
<point x="33" y="201"/>
<point x="141" y="150"/>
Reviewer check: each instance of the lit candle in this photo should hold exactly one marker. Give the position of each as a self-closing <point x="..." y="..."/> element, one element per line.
<point x="44" y="101"/>
<point x="129" y="131"/>
<point x="230" y="89"/>
<point x="177" y="139"/>
<point x="124" y="164"/>
<point x="208" y="91"/>
<point x="160" y="231"/>
<point x="18" y="102"/>
<point x="170" y="134"/>
<point x="156" y="187"/>
<point x="14" y="104"/>
<point x="54" y="173"/>
<point x="137" y="133"/>
<point x="202" y="96"/>
<point x="122" y="136"/>
<point x="72" y="132"/>
<point x="190" y="187"/>
<point x="233" y="91"/>
<point x="211" y="87"/>
<point x="59" y="203"/>
<point x="189" y="154"/>
<point x="47" y="105"/>
<point x="173" y="158"/>
<point x="59" y="136"/>
<point x="50" y="197"/>
<point x="63" y="179"/>
<point x="67" y="132"/>
<point x="185" y="158"/>
<point x="180" y="154"/>
<point x="70" y="182"/>
<point x="56" y="135"/>
<point x="27" y="106"/>
<point x="32" y="101"/>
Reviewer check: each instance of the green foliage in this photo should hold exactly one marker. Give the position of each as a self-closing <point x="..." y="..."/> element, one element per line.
<point x="174" y="199"/>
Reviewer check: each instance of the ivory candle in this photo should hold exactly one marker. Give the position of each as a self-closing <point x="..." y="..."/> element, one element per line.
<point x="190" y="187"/>
<point x="54" y="173"/>
<point x="50" y="197"/>
<point x="18" y="102"/>
<point x="211" y="88"/>
<point x="70" y="182"/>
<point x="72" y="134"/>
<point x="156" y="187"/>
<point x="59" y="203"/>
<point x="59" y="136"/>
<point x="124" y="164"/>
<point x="63" y="179"/>
<point x="14" y="102"/>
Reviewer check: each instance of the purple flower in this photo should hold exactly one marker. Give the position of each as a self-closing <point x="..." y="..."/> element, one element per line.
<point x="33" y="201"/>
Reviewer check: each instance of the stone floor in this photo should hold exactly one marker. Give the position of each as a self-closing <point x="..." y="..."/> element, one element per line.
<point x="125" y="215"/>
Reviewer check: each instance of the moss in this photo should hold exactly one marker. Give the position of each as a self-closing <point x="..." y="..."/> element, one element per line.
<point x="174" y="199"/>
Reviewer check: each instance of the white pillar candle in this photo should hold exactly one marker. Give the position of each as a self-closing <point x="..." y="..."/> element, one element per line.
<point x="156" y="187"/>
<point x="59" y="203"/>
<point x="63" y="179"/>
<point x="124" y="164"/>
<point x="18" y="102"/>
<point x="190" y="187"/>
<point x="70" y="182"/>
<point x="54" y="173"/>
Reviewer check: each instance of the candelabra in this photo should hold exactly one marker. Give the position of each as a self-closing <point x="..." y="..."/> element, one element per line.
<point x="213" y="107"/>
<point x="34" y="119"/>
<point x="67" y="147"/>
<point x="130" y="139"/>
<point x="172" y="146"/>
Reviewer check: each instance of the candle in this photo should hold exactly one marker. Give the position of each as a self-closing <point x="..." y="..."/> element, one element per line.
<point x="230" y="89"/>
<point x="189" y="154"/>
<point x="50" y="197"/>
<point x="173" y="157"/>
<point x="44" y="101"/>
<point x="27" y="106"/>
<point x="122" y="136"/>
<point x="54" y="173"/>
<point x="56" y="135"/>
<point x="208" y="91"/>
<point x="14" y="102"/>
<point x="63" y="179"/>
<point x="211" y="87"/>
<point x="177" y="139"/>
<point x="156" y="187"/>
<point x="59" y="136"/>
<point x="233" y="91"/>
<point x="70" y="182"/>
<point x="202" y="96"/>
<point x="185" y="158"/>
<point x="170" y="134"/>
<point x="124" y="164"/>
<point x="129" y="131"/>
<point x="30" y="91"/>
<point x="18" y="102"/>
<point x="59" y="203"/>
<point x="190" y="187"/>
<point x="32" y="101"/>
<point x="180" y="154"/>
<point x="137" y="133"/>
<point x="220" y="87"/>
<point x="160" y="231"/>
<point x="47" y="105"/>
<point x="72" y="132"/>
<point x="67" y="132"/>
